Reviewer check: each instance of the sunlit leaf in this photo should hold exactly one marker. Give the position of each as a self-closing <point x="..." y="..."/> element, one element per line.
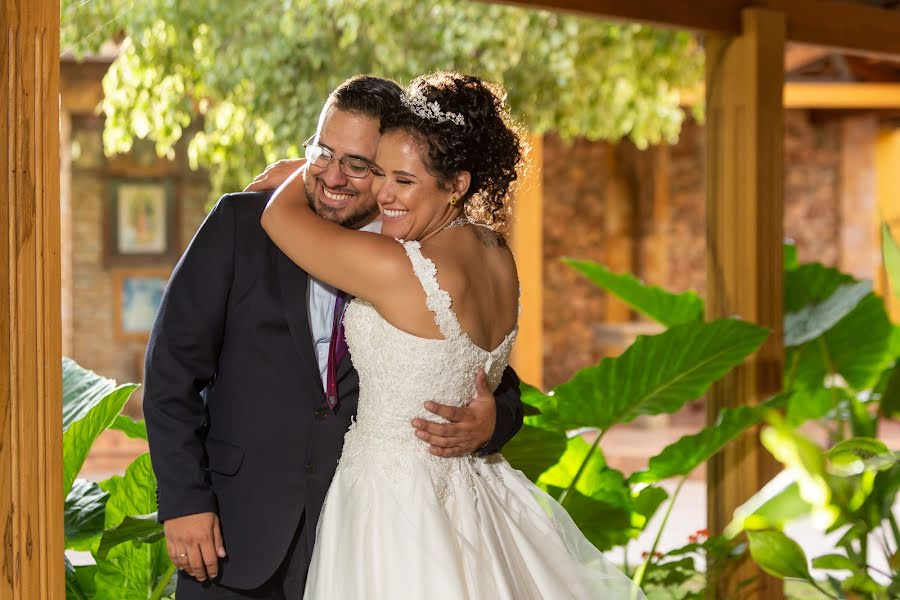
<point x="778" y="555"/>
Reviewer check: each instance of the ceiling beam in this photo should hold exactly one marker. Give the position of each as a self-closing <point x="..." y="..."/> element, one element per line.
<point x="842" y="95"/>
<point x="844" y="26"/>
<point x="829" y="96"/>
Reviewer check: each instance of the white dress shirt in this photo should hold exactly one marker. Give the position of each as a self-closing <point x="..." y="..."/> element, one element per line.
<point x="320" y="306"/>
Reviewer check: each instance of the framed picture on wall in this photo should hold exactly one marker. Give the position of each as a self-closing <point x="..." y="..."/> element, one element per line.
<point x="138" y="293"/>
<point x="140" y="220"/>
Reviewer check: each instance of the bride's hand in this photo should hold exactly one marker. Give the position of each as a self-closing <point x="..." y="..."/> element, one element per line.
<point x="275" y="174"/>
<point x="470" y="427"/>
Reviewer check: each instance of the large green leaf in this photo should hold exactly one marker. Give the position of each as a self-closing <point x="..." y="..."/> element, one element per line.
<point x="657" y="374"/>
<point x="646" y="503"/>
<point x="801" y="454"/>
<point x="134" y="429"/>
<point x="834" y="562"/>
<point x="658" y="304"/>
<point x="891" y="252"/>
<point x="890" y="397"/>
<point x="809" y="404"/>
<point x="140" y="529"/>
<point x="811" y="283"/>
<point x="82" y="390"/>
<point x="814" y="319"/>
<point x="534" y="450"/>
<point x="606" y="525"/>
<point x="80" y="435"/>
<point x="791" y="261"/>
<point x="857" y="347"/>
<point x="690" y="451"/>
<point x="597" y="480"/>
<point x="130" y="571"/>
<point x="79" y="581"/>
<point x="778" y="555"/>
<point x="84" y="514"/>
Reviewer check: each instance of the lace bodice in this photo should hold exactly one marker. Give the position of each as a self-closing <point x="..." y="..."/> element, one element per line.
<point x="399" y="371"/>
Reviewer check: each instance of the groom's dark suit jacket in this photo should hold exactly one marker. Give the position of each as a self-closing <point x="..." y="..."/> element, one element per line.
<point x="233" y="397"/>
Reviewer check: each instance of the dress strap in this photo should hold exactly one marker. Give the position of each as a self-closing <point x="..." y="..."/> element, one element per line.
<point x="437" y="300"/>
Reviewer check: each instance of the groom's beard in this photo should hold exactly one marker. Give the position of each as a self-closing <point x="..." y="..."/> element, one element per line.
<point x="356" y="219"/>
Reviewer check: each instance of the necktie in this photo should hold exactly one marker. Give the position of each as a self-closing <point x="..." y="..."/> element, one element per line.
<point x="337" y="349"/>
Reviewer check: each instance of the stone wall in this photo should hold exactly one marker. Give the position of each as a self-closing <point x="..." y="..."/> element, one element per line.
<point x="575" y="224"/>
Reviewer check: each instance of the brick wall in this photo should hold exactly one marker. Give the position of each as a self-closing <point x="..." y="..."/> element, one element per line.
<point x="94" y="343"/>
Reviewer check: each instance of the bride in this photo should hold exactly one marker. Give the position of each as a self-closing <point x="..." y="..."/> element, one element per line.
<point x="436" y="300"/>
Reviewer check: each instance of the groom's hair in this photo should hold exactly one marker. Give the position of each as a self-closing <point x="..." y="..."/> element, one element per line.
<point x="370" y="96"/>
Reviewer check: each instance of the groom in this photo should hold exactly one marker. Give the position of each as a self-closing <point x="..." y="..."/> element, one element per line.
<point x="243" y="440"/>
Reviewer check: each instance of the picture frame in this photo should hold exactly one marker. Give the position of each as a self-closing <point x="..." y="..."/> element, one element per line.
<point x="137" y="296"/>
<point x="141" y="221"/>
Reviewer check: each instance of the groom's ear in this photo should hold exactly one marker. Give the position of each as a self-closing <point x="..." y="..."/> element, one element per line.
<point x="461" y="183"/>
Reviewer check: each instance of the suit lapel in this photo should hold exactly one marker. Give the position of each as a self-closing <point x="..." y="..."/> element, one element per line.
<point x="293" y="284"/>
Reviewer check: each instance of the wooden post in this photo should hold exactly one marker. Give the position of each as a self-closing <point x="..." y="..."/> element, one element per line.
<point x="744" y="191"/>
<point x="31" y="503"/>
<point x="527" y="242"/>
<point x="618" y="224"/>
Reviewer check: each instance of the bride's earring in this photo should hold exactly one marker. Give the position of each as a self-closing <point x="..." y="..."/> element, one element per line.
<point x="453" y="200"/>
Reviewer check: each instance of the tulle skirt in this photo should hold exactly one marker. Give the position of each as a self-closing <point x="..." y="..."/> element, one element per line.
<point x="479" y="530"/>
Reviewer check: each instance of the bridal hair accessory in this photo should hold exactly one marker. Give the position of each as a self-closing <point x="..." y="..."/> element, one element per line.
<point x="418" y="104"/>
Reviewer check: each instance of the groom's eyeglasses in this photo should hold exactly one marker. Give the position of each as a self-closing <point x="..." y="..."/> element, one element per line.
<point x="321" y="157"/>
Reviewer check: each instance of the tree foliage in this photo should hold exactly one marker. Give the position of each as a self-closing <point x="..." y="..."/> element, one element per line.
<point x="258" y="72"/>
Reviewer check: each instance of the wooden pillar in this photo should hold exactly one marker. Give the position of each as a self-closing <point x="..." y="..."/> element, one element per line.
<point x="618" y="231"/>
<point x="31" y="503"/>
<point x="744" y="191"/>
<point x="860" y="239"/>
<point x="887" y="175"/>
<point x="527" y="242"/>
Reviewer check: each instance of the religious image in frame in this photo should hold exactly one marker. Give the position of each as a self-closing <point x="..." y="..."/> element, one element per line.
<point x="138" y="296"/>
<point x="141" y="219"/>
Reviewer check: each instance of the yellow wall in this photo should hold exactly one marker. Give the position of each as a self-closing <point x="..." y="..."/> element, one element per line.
<point x="888" y="190"/>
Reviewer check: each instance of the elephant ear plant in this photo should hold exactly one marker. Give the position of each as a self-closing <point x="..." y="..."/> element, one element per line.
<point x="560" y="444"/>
<point x="841" y="375"/>
<point x="115" y="520"/>
<point x="842" y="384"/>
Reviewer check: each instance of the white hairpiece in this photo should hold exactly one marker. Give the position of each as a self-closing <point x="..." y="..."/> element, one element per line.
<point x="417" y="103"/>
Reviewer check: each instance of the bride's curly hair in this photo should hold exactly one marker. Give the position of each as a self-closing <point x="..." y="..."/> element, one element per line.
<point x="488" y="144"/>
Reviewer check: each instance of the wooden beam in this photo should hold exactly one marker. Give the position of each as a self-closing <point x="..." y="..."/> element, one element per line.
<point x="828" y="96"/>
<point x="744" y="213"/>
<point x="799" y="55"/>
<point x="527" y="243"/>
<point x="845" y="26"/>
<point x="842" y="95"/>
<point x="31" y="502"/>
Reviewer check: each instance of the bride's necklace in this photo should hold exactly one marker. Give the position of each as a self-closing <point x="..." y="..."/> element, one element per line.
<point x="457" y="222"/>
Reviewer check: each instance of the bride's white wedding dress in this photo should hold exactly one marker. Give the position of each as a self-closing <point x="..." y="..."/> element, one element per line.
<point x="399" y="523"/>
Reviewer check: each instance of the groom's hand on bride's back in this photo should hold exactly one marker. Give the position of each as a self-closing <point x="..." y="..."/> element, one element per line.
<point x="194" y="543"/>
<point x="470" y="427"/>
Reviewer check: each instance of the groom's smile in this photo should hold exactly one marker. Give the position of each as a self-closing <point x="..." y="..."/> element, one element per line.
<point x="332" y="194"/>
